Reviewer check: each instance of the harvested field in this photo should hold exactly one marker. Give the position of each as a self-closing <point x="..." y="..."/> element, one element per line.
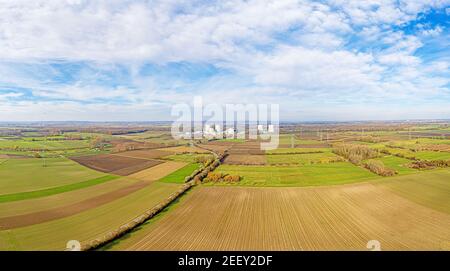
<point x="247" y="148"/>
<point x="159" y="171"/>
<point x="327" y="218"/>
<point x="144" y="154"/>
<point x="115" y="164"/>
<point x="18" y="221"/>
<point x="242" y="159"/>
<point x="117" y="142"/>
<point x="184" y="149"/>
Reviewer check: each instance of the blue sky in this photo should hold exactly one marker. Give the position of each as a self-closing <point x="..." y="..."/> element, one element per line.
<point x="133" y="60"/>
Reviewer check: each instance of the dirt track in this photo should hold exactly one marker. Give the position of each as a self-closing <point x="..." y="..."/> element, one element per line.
<point x="60" y="212"/>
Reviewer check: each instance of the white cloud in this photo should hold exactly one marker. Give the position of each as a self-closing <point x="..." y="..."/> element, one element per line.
<point x="302" y="50"/>
<point x="433" y="32"/>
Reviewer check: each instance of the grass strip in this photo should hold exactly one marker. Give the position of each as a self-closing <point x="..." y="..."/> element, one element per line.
<point x="55" y="190"/>
<point x="179" y="175"/>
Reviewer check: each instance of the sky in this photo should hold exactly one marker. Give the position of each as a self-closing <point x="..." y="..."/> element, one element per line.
<point x="133" y="60"/>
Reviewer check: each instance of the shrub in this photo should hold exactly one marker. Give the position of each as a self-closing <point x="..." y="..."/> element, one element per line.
<point x="430" y="164"/>
<point x="214" y="177"/>
<point x="232" y="178"/>
<point x="379" y="168"/>
<point x="355" y="153"/>
<point x="355" y="158"/>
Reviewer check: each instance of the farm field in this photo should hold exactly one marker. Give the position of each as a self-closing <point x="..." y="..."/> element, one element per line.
<point x="302" y="158"/>
<point x="431" y="189"/>
<point x="185" y="149"/>
<point x="87" y="225"/>
<point x="114" y="164"/>
<point x="297" y="150"/>
<point x="22" y="175"/>
<point x="400" y="165"/>
<point x="323" y="218"/>
<point x="44" y="144"/>
<point x="306" y="175"/>
<point x="179" y="175"/>
<point x="159" y="171"/>
<point x="422" y="155"/>
<point x="432" y="155"/>
<point x="55" y="190"/>
<point x="188" y="157"/>
<point x="63" y="199"/>
<point x="304" y="195"/>
<point x="245" y="159"/>
<point x="144" y="154"/>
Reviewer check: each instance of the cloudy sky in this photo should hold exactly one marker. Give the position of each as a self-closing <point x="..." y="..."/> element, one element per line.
<point x="132" y="60"/>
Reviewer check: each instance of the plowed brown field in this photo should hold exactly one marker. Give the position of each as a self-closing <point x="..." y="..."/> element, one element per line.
<point x="244" y="159"/>
<point x="144" y="154"/>
<point x="326" y="218"/>
<point x="184" y="149"/>
<point x="115" y="164"/>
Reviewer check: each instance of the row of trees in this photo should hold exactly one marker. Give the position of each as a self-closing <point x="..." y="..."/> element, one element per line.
<point x="420" y="164"/>
<point x="221" y="177"/>
<point x="205" y="160"/>
<point x="355" y="153"/>
<point x="198" y="175"/>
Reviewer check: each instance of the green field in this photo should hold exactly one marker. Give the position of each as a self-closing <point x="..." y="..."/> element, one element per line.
<point x="287" y="139"/>
<point x="39" y="144"/>
<point x="87" y="225"/>
<point x="431" y="189"/>
<point x="432" y="155"/>
<point x="63" y="199"/>
<point x="23" y="175"/>
<point x="303" y="159"/>
<point x="179" y="175"/>
<point x="55" y="190"/>
<point x="398" y="164"/>
<point x="307" y="175"/>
